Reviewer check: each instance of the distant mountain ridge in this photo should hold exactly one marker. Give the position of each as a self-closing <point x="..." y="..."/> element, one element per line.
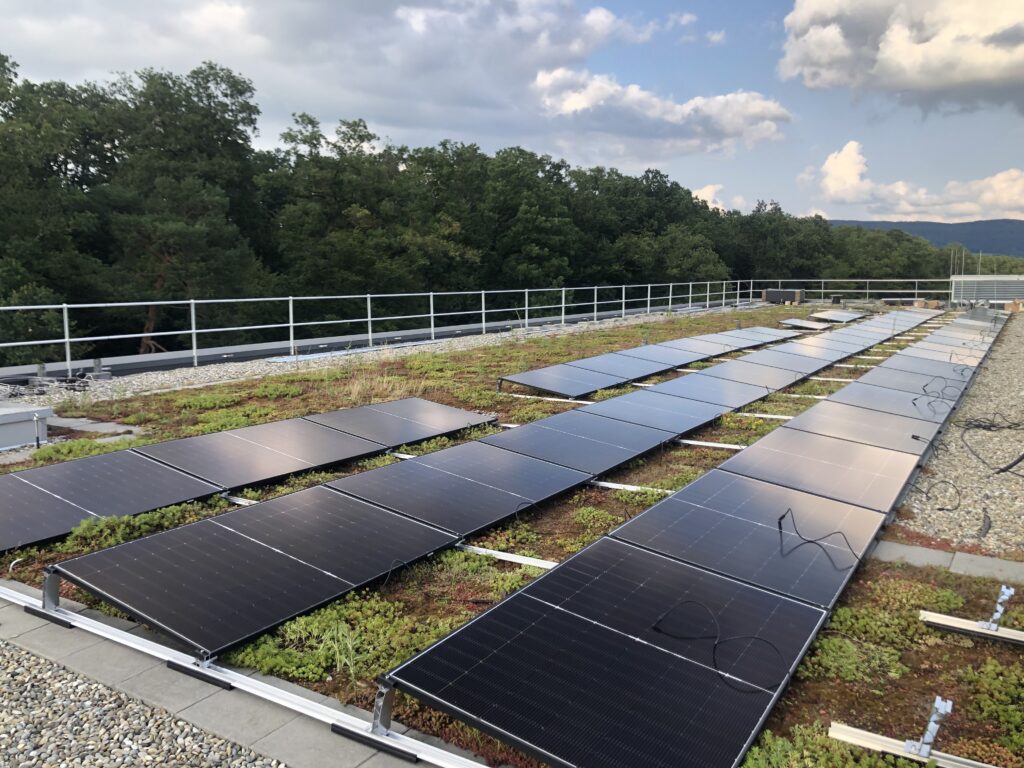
<point x="1002" y="236"/>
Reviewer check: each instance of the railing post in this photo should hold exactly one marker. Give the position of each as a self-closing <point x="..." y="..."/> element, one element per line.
<point x="67" y="340"/>
<point x="707" y="295"/>
<point x="737" y="293"/>
<point x="623" y="301"/>
<point x="595" y="303"/>
<point x="195" y="345"/>
<point x="563" y="306"/>
<point x="369" y="322"/>
<point x="526" y="307"/>
<point x="689" y="301"/>
<point x="291" y="325"/>
<point x="648" y="298"/>
<point x="431" y="315"/>
<point x="670" y="287"/>
<point x="483" y="313"/>
<point x="915" y="289"/>
<point x="867" y="289"/>
<point x="822" y="290"/>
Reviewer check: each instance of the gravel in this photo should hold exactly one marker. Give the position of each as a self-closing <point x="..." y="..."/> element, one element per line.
<point x="990" y="513"/>
<point x="122" y="387"/>
<point x="52" y="718"/>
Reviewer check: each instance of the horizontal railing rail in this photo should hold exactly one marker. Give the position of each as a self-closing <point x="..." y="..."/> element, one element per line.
<point x="480" y="311"/>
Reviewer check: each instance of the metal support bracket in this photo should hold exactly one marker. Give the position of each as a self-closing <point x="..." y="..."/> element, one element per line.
<point x="1005" y="593"/>
<point x="383" y="706"/>
<point x="51" y="590"/>
<point x="940" y="710"/>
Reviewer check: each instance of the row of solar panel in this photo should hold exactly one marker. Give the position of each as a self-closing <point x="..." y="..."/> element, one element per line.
<point x="589" y="374"/>
<point x="457" y="491"/>
<point x="668" y="642"/>
<point x="47" y="502"/>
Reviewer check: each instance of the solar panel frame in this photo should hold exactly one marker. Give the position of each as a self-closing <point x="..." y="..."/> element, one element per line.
<point x="921" y="406"/>
<point x="956" y="358"/>
<point x="399" y="422"/>
<point x="634" y="437"/>
<point x="917" y="383"/>
<point x="730" y="524"/>
<point x="676" y="358"/>
<point x="837" y="315"/>
<point x="797" y="322"/>
<point x="574" y="451"/>
<point x="799" y="363"/>
<point x="921" y="365"/>
<point x="861" y="425"/>
<point x="565" y="380"/>
<point x="812" y="350"/>
<point x="706" y="348"/>
<point x="730" y="340"/>
<point x="759" y="331"/>
<point x="659" y="411"/>
<point x="445" y="419"/>
<point x="853" y="473"/>
<point x="825" y="340"/>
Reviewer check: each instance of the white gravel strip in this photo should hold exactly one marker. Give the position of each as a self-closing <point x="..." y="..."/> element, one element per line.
<point x="51" y="717"/>
<point x="991" y="506"/>
<point x="122" y="387"/>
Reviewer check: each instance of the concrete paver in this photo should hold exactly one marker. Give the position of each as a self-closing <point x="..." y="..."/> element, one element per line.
<point x="237" y="716"/>
<point x="891" y="551"/>
<point x="14" y="621"/>
<point x="56" y="643"/>
<point x="306" y="743"/>
<point x="109" y="663"/>
<point x="990" y="567"/>
<point x="162" y="687"/>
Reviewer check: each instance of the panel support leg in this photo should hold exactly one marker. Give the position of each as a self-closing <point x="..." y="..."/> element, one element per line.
<point x="51" y="590"/>
<point x="383" y="704"/>
<point x="940" y="709"/>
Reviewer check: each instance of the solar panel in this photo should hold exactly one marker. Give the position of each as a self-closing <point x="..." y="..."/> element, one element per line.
<point x="662" y="354"/>
<point x="118" y="483"/>
<point x="755" y="375"/>
<point x="761" y="332"/>
<point x="573" y="693"/>
<point x="676" y="607"/>
<point x="811" y="350"/>
<point x="774" y="537"/>
<point x="951" y="356"/>
<point x="951" y="371"/>
<point x="307" y="441"/>
<point x="565" y="380"/>
<point x="436" y="497"/>
<point x="591" y="456"/>
<point x="976" y="344"/>
<point x="444" y="419"/>
<point x="828" y="341"/>
<point x="524" y="476"/>
<point x="632" y="436"/>
<point x="837" y="316"/>
<point x="929" y="407"/>
<point x="228" y="461"/>
<point x="706" y="348"/>
<point x="836" y="469"/>
<point x="220" y="581"/>
<point x="710" y="389"/>
<point x="848" y="422"/>
<point x="627" y="367"/>
<point x="917" y="383"/>
<point x="785" y="361"/>
<point x="731" y="340"/>
<point x="399" y="422"/>
<point x="29" y="515"/>
<point x="652" y="409"/>
<point x="796" y="322"/>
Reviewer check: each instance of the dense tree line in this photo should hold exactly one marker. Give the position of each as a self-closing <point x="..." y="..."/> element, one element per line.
<point x="149" y="187"/>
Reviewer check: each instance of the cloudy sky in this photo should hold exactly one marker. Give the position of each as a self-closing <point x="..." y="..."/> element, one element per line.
<point x="906" y="109"/>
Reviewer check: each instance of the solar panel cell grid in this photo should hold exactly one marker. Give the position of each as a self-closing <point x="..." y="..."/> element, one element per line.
<point x="621" y="365"/>
<point x="916" y="383"/>
<point x="788" y="362"/>
<point x="710" y="389"/>
<point x="581" y="453"/>
<point x="848" y="422"/>
<point x="755" y="375"/>
<point x="29" y="515"/>
<point x="662" y="354"/>
<point x="928" y="407"/>
<point x="658" y="411"/>
<point x="951" y="371"/>
<point x="565" y="380"/>
<point x="811" y="350"/>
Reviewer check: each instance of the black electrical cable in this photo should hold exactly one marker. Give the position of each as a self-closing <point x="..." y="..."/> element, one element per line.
<point x="818" y="541"/>
<point x="719" y="640"/>
<point x="928" y="493"/>
<point x="995" y="423"/>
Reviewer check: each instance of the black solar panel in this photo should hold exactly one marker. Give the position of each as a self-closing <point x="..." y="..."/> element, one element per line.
<point x="439" y="498"/>
<point x="683" y="610"/>
<point x="581" y="453"/>
<point x="710" y="389"/>
<point x="706" y="348"/>
<point x="755" y="375"/>
<point x="662" y="354"/>
<point x="759" y="332"/>
<point x="951" y="371"/>
<point x="652" y="409"/>
<point x="811" y="350"/>
<point x="399" y="422"/>
<point x="837" y="315"/>
<point x="632" y="436"/>
<point x="848" y="422"/>
<point x="118" y="483"/>
<point x="565" y="380"/>
<point x="929" y="407"/>
<point x="731" y="524"/>
<point x="226" y="460"/>
<point x="522" y="475"/>
<point x="730" y="340"/>
<point x="917" y="383"/>
<point x="796" y="322"/>
<point x="627" y="367"/>
<point x="307" y="441"/>
<point x="785" y="361"/>
<point x="29" y="515"/>
<point x="959" y="356"/>
<point x="223" y="580"/>
<point x="837" y="469"/>
<point x="827" y="341"/>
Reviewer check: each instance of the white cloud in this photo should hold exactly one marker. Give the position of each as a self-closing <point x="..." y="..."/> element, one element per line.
<point x="709" y="194"/>
<point x="495" y="73"/>
<point x="716" y="37"/>
<point x="844" y="180"/>
<point x="926" y="52"/>
<point x="739" y="202"/>
<point x="807" y="176"/>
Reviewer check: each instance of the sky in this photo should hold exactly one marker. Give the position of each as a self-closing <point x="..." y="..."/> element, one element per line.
<point x="854" y="109"/>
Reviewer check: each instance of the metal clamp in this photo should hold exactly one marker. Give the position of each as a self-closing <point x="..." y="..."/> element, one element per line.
<point x="1005" y="593"/>
<point x="940" y="710"/>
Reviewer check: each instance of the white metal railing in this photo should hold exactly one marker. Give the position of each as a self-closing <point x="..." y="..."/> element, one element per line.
<point x="528" y="307"/>
<point x="996" y="288"/>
